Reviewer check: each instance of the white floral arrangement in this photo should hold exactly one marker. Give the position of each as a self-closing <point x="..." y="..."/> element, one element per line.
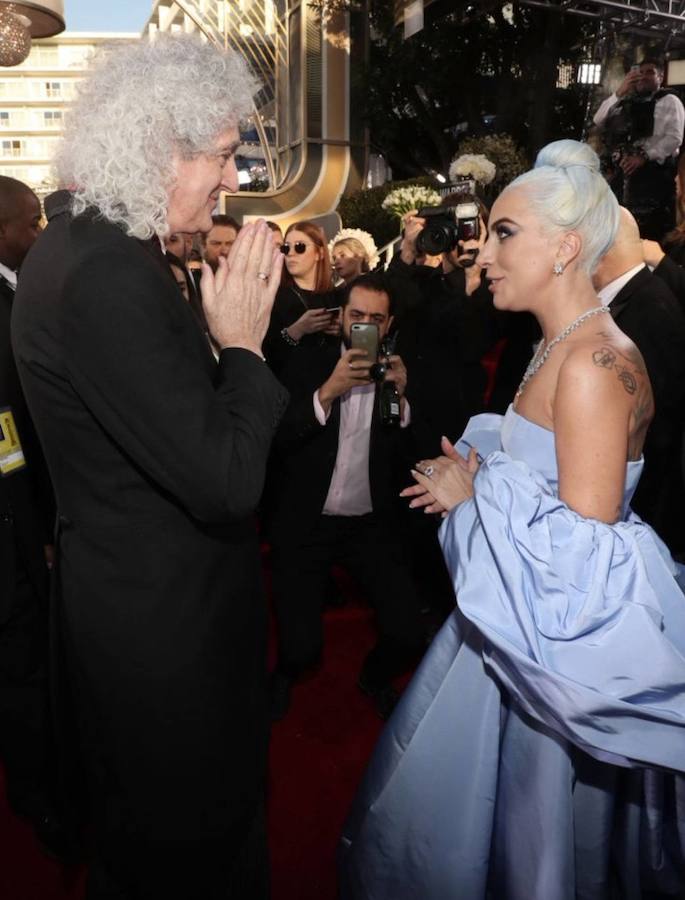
<point x="473" y="165"/>
<point x="364" y="239"/>
<point x="404" y="199"/>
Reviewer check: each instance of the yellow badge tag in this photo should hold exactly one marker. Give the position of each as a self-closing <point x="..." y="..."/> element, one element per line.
<point x="11" y="454"/>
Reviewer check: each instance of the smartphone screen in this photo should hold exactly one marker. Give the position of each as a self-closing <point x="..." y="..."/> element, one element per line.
<point x="364" y="336"/>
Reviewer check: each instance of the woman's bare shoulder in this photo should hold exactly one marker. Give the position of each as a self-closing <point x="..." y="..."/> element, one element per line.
<point x="606" y="361"/>
<point x="603" y="378"/>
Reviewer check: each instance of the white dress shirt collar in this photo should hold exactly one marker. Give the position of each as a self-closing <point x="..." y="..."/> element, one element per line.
<point x="609" y="291"/>
<point x="9" y="275"/>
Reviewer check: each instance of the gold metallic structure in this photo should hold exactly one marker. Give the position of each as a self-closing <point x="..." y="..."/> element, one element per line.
<point x="314" y="146"/>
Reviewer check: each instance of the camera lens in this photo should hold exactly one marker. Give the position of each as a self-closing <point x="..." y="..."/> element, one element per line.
<point x="377" y="371"/>
<point x="436" y="238"/>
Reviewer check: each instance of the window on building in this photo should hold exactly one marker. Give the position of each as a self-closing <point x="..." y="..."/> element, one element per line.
<point x="11" y="148"/>
<point x="4" y="119"/>
<point x="53" y="88"/>
<point x="77" y="57"/>
<point x="44" y="56"/>
<point x="565" y="75"/>
<point x="589" y="73"/>
<point x="52" y="118"/>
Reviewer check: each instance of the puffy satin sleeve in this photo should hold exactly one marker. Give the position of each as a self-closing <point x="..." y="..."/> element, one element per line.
<point x="483" y="434"/>
<point x="584" y="622"/>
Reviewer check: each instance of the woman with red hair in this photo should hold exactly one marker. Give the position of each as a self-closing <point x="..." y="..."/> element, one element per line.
<point x="300" y="310"/>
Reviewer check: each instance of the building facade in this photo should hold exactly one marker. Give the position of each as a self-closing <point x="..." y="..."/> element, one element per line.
<point x="33" y="100"/>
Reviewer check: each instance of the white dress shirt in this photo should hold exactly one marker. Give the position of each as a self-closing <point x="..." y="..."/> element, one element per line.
<point x="349" y="493"/>
<point x="9" y="275"/>
<point x="669" y="123"/>
<point x="609" y="291"/>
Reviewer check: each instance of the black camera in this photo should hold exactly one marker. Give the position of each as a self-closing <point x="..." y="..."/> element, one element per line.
<point x="446" y="226"/>
<point x="378" y="370"/>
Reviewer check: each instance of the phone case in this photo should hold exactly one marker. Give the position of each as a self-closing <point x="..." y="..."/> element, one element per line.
<point x="364" y="336"/>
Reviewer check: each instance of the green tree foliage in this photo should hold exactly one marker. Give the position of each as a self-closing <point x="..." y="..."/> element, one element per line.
<point x="425" y="93"/>
<point x="500" y="149"/>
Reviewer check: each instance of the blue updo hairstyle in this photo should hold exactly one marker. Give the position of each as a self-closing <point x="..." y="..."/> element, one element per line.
<point x="567" y="192"/>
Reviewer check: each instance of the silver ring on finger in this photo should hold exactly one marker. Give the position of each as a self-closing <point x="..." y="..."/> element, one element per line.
<point x="263" y="276"/>
<point x="428" y="471"/>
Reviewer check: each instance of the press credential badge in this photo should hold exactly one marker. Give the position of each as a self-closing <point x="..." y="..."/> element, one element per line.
<point x="11" y="455"/>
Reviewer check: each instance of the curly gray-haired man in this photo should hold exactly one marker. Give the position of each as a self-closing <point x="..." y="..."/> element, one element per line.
<point x="158" y="455"/>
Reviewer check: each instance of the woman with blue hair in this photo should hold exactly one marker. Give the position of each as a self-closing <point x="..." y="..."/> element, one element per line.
<point x="538" y="753"/>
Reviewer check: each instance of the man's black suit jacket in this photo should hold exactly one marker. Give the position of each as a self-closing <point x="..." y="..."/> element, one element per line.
<point x="158" y="456"/>
<point x="305" y="451"/>
<point x="670" y="271"/>
<point x="647" y="311"/>
<point x="442" y="336"/>
<point x="26" y="503"/>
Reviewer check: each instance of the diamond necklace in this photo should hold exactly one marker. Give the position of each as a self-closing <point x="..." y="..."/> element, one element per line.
<point x="541" y="356"/>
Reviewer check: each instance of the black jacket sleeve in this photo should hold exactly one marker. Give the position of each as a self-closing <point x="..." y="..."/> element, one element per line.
<point x="203" y="441"/>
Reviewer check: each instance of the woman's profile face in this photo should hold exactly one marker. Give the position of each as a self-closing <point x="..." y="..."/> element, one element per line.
<point x="346" y="264"/>
<point x="518" y="255"/>
<point x="198" y="183"/>
<point x="301" y="265"/>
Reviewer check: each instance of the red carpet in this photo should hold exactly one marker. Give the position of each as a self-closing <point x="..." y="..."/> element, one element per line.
<point x="318" y="753"/>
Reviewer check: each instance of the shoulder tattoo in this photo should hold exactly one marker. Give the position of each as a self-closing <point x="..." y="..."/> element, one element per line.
<point x="609" y="359"/>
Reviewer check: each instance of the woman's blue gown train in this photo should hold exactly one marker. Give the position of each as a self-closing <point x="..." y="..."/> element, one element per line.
<point x="536" y="754"/>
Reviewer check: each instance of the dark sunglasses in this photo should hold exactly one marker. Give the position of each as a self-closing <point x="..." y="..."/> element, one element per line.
<point x="298" y="247"/>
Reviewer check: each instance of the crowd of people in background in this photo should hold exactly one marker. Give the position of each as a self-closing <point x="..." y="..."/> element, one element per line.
<point x="459" y="357"/>
<point x="332" y="475"/>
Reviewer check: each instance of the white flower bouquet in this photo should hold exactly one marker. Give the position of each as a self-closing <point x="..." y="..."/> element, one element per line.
<point x="473" y="165"/>
<point x="414" y="196"/>
<point x="364" y="239"/>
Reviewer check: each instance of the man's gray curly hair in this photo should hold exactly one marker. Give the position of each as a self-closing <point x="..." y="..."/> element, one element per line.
<point x="139" y="105"/>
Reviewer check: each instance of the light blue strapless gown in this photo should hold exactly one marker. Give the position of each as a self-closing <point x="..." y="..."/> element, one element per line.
<point x="536" y="753"/>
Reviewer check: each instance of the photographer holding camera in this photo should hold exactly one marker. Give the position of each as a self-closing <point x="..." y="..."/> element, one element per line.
<point x="336" y="477"/>
<point x="446" y="321"/>
<point x="641" y="125"/>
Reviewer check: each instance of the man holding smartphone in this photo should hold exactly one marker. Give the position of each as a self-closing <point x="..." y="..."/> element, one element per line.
<point x="642" y="127"/>
<point x="337" y="475"/>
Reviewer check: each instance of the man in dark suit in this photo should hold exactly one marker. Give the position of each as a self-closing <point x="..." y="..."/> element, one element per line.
<point x="646" y="310"/>
<point x="157" y="453"/>
<point x="337" y="474"/>
<point x="26" y="524"/>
